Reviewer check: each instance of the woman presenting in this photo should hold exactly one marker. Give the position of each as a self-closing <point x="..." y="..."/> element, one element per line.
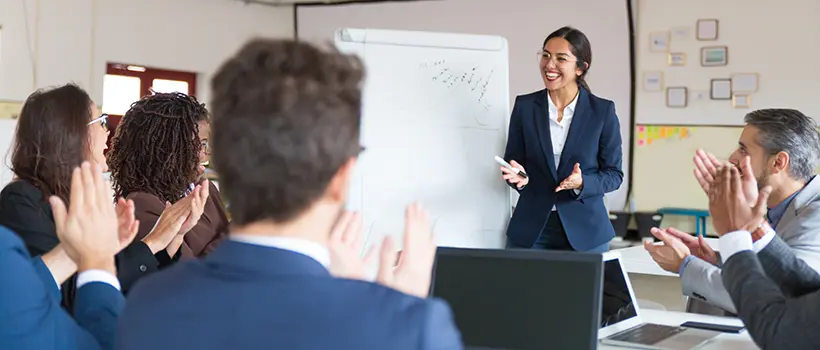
<point x="568" y="143"/>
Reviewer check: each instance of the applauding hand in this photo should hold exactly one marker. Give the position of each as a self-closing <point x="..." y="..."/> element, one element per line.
<point x="697" y="245"/>
<point x="414" y="272"/>
<point x="346" y="242"/>
<point x="730" y="208"/>
<point x="87" y="229"/>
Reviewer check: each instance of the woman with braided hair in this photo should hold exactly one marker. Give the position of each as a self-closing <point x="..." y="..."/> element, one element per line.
<point x="156" y="158"/>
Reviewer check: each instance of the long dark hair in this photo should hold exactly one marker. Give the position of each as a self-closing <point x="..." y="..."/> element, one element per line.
<point x="52" y="138"/>
<point x="579" y="46"/>
<point x="156" y="146"/>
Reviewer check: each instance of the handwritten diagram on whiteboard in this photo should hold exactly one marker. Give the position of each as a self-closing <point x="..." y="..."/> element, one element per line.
<point x="434" y="115"/>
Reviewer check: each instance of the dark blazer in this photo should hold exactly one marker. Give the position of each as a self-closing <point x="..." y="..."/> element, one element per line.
<point x="24" y="210"/>
<point x="30" y="312"/>
<point x="594" y="141"/>
<point x="203" y="238"/>
<point x="777" y="296"/>
<point x="256" y="297"/>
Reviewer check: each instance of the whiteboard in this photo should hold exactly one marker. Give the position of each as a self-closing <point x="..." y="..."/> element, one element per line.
<point x="435" y="112"/>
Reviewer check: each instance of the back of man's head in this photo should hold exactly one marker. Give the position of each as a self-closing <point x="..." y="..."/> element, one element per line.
<point x="792" y="132"/>
<point x="285" y="119"/>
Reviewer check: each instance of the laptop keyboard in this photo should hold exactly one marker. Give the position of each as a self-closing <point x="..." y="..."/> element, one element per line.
<point x="647" y="334"/>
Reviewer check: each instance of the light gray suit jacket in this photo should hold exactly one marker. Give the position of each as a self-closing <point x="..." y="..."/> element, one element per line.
<point x="799" y="229"/>
<point x="777" y="296"/>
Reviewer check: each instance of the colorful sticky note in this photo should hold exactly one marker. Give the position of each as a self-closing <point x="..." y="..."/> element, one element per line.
<point x="663" y="133"/>
<point x="676" y="131"/>
<point x="649" y="142"/>
<point x="640" y="142"/>
<point x="683" y="132"/>
<point x="641" y="128"/>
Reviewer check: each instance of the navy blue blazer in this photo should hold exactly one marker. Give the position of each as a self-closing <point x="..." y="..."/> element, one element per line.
<point x="245" y="296"/>
<point x="30" y="313"/>
<point x="594" y="141"/>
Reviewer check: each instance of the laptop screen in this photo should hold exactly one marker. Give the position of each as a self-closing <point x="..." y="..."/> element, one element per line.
<point x="616" y="302"/>
<point x="521" y="299"/>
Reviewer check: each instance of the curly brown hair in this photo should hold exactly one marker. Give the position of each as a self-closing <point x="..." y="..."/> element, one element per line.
<point x="156" y="146"/>
<point x="286" y="118"/>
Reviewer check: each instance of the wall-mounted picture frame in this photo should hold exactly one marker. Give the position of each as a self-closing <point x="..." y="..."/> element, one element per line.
<point x="741" y="100"/>
<point x="707" y="29"/>
<point x="676" y="97"/>
<point x="653" y="81"/>
<point x="677" y="59"/>
<point x="714" y="56"/>
<point x="659" y="41"/>
<point x="744" y="82"/>
<point x="721" y="89"/>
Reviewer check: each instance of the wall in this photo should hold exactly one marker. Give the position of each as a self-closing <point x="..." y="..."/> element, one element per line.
<point x="663" y="169"/>
<point x="524" y="23"/>
<point x="780" y="56"/>
<point x="73" y="40"/>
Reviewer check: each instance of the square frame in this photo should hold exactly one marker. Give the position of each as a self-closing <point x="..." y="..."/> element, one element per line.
<point x="705" y="59"/>
<point x="720" y="89"/>
<point x="741" y="100"/>
<point x="676" y="59"/>
<point x="653" y="81"/>
<point x="745" y="82"/>
<point x="659" y="41"/>
<point x="707" y="29"/>
<point x="680" y="92"/>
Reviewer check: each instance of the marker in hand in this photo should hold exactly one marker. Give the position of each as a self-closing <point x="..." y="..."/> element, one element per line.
<point x="504" y="163"/>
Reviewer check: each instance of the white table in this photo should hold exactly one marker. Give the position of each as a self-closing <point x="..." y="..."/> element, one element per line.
<point x="725" y="341"/>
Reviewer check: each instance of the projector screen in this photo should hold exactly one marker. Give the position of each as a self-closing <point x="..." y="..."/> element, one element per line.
<point x="524" y="23"/>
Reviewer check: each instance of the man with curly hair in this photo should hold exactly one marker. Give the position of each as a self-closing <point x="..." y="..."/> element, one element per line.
<point x="156" y="158"/>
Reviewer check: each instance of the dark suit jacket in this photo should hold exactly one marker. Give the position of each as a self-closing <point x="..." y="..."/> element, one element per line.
<point x="266" y="298"/>
<point x="30" y="312"/>
<point x="594" y="141"/>
<point x="776" y="295"/>
<point x="24" y="210"/>
<point x="203" y="238"/>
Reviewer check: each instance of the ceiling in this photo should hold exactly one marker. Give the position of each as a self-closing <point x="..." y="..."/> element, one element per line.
<point x="302" y="2"/>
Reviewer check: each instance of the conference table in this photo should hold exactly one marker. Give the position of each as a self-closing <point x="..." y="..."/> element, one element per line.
<point x="638" y="263"/>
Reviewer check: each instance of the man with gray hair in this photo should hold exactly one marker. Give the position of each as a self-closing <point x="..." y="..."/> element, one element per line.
<point x="781" y="146"/>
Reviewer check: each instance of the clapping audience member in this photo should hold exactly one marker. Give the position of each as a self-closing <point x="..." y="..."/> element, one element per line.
<point x="776" y="293"/>
<point x="157" y="157"/>
<point x="286" y="119"/>
<point x="780" y="146"/>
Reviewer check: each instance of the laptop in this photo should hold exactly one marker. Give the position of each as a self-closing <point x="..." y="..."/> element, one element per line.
<point x="621" y="322"/>
<point x="521" y="299"/>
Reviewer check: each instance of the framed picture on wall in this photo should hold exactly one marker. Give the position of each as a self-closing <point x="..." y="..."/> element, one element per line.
<point x="707" y="29"/>
<point x="713" y="56"/>
<point x="721" y="89"/>
<point x="659" y="41"/>
<point x="741" y="100"/>
<point x="744" y="82"/>
<point x="653" y="81"/>
<point x="676" y="97"/>
<point x="677" y="59"/>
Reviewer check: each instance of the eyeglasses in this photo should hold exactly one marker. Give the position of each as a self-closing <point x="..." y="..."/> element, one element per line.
<point x="559" y="60"/>
<point x="205" y="147"/>
<point x="102" y="119"/>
